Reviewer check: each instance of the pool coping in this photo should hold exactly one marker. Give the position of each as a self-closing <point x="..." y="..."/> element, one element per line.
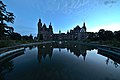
<point x="5" y="49"/>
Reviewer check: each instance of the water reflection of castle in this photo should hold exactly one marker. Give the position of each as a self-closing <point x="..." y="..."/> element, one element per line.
<point x="43" y="51"/>
<point x="47" y="50"/>
<point x="45" y="33"/>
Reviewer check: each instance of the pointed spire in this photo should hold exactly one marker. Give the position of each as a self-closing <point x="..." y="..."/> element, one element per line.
<point x="84" y="56"/>
<point x="44" y="26"/>
<point x="50" y="23"/>
<point x="84" y="26"/>
<point x="50" y="27"/>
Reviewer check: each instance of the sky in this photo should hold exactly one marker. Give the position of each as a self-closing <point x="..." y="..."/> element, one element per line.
<point x="64" y="14"/>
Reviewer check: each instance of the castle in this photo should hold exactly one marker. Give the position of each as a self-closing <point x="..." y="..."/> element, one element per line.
<point x="45" y="33"/>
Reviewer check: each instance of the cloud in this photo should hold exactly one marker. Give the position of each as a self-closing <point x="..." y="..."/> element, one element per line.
<point x="74" y="6"/>
<point x="110" y="2"/>
<point x="61" y="6"/>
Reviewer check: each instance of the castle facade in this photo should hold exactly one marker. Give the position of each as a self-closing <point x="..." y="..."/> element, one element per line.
<point x="44" y="33"/>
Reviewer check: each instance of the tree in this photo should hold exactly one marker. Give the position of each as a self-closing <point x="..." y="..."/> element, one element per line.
<point x="105" y="35"/>
<point x="25" y="37"/>
<point x="109" y="35"/>
<point x="101" y="34"/>
<point x="31" y="37"/>
<point x="117" y="35"/>
<point x="15" y="36"/>
<point x="93" y="36"/>
<point x="5" y="16"/>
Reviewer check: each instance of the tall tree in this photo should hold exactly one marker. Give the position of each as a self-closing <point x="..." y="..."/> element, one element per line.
<point x="15" y="36"/>
<point x="31" y="37"/>
<point x="93" y="36"/>
<point x="5" y="16"/>
<point x="117" y="35"/>
<point x="109" y="35"/>
<point x="101" y="34"/>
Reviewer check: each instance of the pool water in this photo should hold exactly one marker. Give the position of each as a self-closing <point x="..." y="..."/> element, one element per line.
<point x="56" y="61"/>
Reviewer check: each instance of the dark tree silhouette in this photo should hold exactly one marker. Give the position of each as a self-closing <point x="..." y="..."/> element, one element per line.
<point x="5" y="16"/>
<point x="25" y="37"/>
<point x="105" y="35"/>
<point x="101" y="34"/>
<point x="15" y="36"/>
<point x="117" y="35"/>
<point x="31" y="37"/>
<point x="93" y="36"/>
<point x="109" y="35"/>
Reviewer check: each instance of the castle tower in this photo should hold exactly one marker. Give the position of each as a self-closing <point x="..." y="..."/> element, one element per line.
<point x="50" y="28"/>
<point x="39" y="29"/>
<point x="82" y="35"/>
<point x="39" y="26"/>
<point x="84" y="27"/>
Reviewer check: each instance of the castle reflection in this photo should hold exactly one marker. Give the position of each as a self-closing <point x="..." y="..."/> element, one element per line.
<point x="77" y="50"/>
<point x="44" y="50"/>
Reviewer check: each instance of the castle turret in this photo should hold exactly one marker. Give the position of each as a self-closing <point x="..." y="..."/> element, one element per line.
<point x="44" y="27"/>
<point x="39" y="26"/>
<point x="50" y="28"/>
<point x="84" y="27"/>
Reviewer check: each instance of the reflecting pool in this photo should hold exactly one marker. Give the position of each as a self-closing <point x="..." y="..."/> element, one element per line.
<point x="65" y="61"/>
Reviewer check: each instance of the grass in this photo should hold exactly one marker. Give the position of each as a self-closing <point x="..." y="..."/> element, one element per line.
<point x="5" y="43"/>
<point x="8" y="43"/>
<point x="113" y="43"/>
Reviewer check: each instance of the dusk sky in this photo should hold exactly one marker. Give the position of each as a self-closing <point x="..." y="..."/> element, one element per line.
<point x="64" y="14"/>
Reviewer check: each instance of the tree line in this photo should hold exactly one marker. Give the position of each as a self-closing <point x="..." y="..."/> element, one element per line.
<point x="104" y="35"/>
